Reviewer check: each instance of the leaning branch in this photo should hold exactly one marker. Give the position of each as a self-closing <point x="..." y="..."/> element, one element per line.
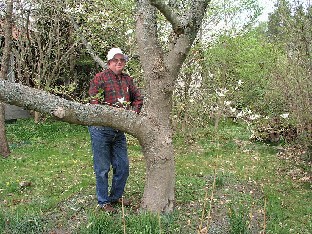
<point x="183" y="43"/>
<point x="169" y="15"/>
<point x="196" y="14"/>
<point x="88" y="46"/>
<point x="69" y="111"/>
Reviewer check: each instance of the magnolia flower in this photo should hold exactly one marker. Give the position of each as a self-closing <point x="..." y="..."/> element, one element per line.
<point x="130" y="31"/>
<point x="232" y="109"/>
<point x="240" y="114"/>
<point x="248" y="111"/>
<point x="227" y="103"/>
<point x="121" y="100"/>
<point x="254" y="117"/>
<point x="221" y="92"/>
<point x="239" y="82"/>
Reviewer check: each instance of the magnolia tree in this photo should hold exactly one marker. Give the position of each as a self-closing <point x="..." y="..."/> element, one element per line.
<point x="153" y="127"/>
<point x="210" y="64"/>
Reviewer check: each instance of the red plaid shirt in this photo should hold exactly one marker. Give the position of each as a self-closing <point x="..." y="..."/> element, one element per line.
<point x="115" y="90"/>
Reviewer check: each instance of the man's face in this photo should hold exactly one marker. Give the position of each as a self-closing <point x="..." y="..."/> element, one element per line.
<point x="117" y="64"/>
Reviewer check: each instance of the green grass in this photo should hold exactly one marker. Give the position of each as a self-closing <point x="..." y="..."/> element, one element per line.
<point x="253" y="187"/>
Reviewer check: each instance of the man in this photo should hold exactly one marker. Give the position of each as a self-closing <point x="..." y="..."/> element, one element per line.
<point x="115" y="88"/>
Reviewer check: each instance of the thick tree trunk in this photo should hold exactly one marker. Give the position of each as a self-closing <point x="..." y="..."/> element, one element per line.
<point x="160" y="172"/>
<point x="161" y="70"/>
<point x="4" y="147"/>
<point x="157" y="146"/>
<point x="5" y="63"/>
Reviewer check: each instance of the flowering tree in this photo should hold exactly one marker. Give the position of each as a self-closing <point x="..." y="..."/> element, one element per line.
<point x="153" y="127"/>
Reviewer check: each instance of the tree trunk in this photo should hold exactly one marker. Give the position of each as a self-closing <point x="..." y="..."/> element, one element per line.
<point x="37" y="116"/>
<point x="157" y="146"/>
<point x="161" y="70"/>
<point x="4" y="146"/>
<point x="160" y="173"/>
<point x="5" y="63"/>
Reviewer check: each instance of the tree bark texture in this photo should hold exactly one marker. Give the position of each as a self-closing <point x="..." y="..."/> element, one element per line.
<point x="157" y="147"/>
<point x="4" y="146"/>
<point x="69" y="111"/>
<point x="161" y="71"/>
<point x="5" y="63"/>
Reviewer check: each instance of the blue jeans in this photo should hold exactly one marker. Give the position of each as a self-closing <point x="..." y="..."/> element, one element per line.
<point x="109" y="147"/>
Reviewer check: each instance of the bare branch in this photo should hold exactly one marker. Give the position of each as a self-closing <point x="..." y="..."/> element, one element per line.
<point x="179" y="25"/>
<point x="69" y="111"/>
<point x="88" y="47"/>
<point x="169" y="15"/>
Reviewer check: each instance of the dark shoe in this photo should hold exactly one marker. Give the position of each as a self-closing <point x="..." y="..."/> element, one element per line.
<point x="108" y="208"/>
<point x="123" y="201"/>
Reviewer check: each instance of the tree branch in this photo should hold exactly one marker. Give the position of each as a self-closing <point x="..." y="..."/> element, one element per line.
<point x="169" y="15"/>
<point x="196" y="14"/>
<point x="72" y="112"/>
<point x="88" y="47"/>
<point x="183" y="43"/>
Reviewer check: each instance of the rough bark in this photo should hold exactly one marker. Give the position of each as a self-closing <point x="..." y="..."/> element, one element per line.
<point x="161" y="71"/>
<point x="5" y="63"/>
<point x="69" y="111"/>
<point x="7" y="41"/>
<point x="4" y="146"/>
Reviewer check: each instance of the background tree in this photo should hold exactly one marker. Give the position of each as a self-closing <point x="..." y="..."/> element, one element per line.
<point x="291" y="79"/>
<point x="5" y="63"/>
<point x="210" y="56"/>
<point x="98" y="27"/>
<point x="45" y="48"/>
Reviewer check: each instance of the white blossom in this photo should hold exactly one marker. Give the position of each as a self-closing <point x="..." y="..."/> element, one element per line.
<point x="240" y="114"/>
<point x="214" y="108"/>
<point x="121" y="100"/>
<point x="232" y="109"/>
<point x="221" y="92"/>
<point x="227" y="103"/>
<point x="285" y="116"/>
<point x="248" y="111"/>
<point x="254" y="117"/>
<point x="130" y="31"/>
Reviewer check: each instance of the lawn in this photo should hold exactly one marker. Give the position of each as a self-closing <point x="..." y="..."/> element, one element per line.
<point x="225" y="183"/>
